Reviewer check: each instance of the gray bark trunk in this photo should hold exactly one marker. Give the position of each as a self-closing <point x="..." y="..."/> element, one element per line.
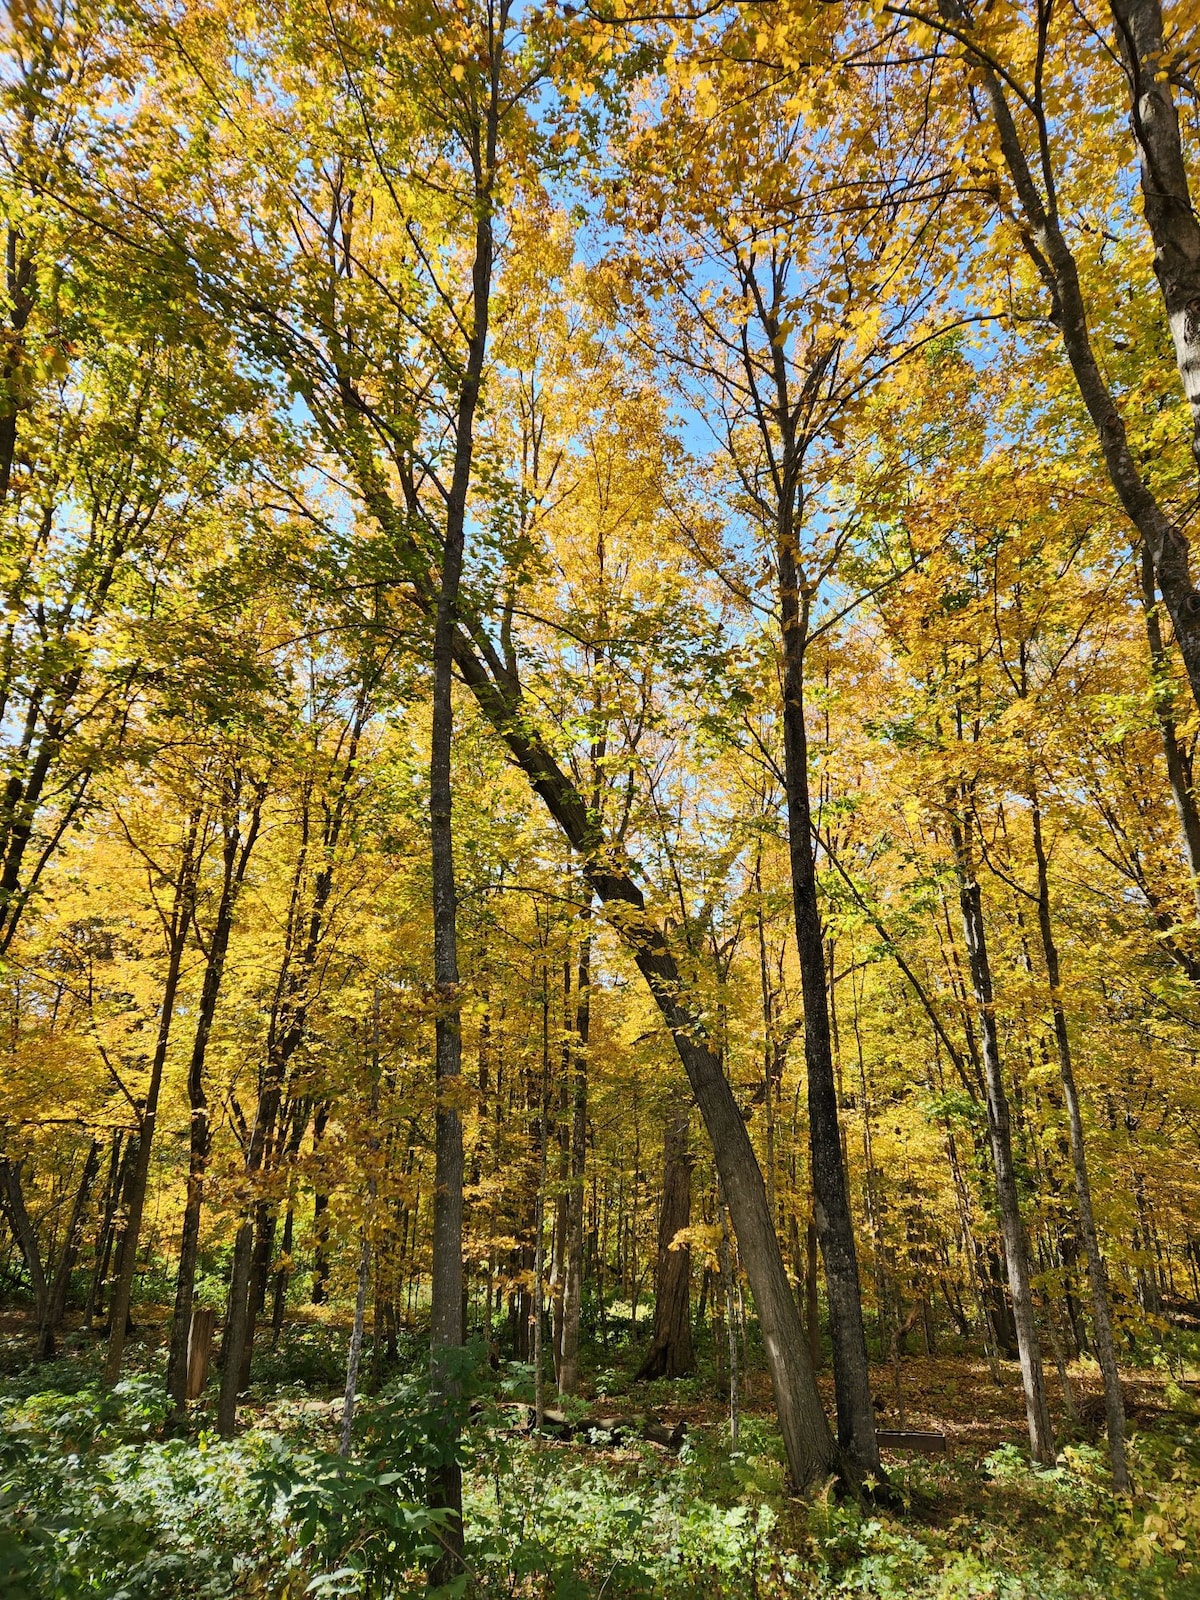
<point x="1165" y="191"/>
<point x="1016" y="1254"/>
<point x="831" y="1196"/>
<point x="568" y="1375"/>
<point x="56" y="1305"/>
<point x="811" y="1450"/>
<point x="447" y="1326"/>
<point x="25" y="1234"/>
<point x="236" y="859"/>
<point x="1114" y="1405"/>
<point x="177" y="929"/>
<point x="1179" y="773"/>
<point x="670" y="1354"/>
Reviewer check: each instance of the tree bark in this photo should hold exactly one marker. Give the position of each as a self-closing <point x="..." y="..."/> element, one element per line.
<point x="1016" y="1255"/>
<point x="670" y="1354"/>
<point x="811" y="1449"/>
<point x="1114" y="1404"/>
<point x="56" y="1305"/>
<point x="446" y="1326"/>
<point x="835" y="1226"/>
<point x="568" y="1373"/>
<point x="26" y="1235"/>
<point x="1165" y="191"/>
<point x="236" y="854"/>
<point x="1179" y="767"/>
<point x="177" y="930"/>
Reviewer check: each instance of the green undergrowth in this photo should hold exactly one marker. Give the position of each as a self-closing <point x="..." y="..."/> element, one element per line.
<point x="96" y="1501"/>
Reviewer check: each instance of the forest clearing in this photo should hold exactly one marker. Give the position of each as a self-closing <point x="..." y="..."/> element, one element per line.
<point x="599" y="846"/>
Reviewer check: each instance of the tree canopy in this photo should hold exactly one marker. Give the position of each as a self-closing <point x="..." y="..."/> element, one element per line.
<point x="599" y="681"/>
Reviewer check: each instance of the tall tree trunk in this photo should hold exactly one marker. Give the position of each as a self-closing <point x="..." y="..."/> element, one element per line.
<point x="1166" y="195"/>
<point x="354" y="1354"/>
<point x="670" y="1354"/>
<point x="446" y="1325"/>
<point x="233" y="1340"/>
<point x="119" y="1167"/>
<point x="26" y="1235"/>
<point x="568" y="1374"/>
<point x="1114" y="1405"/>
<point x="1016" y="1254"/>
<point x="835" y="1227"/>
<point x="726" y="1259"/>
<point x="811" y="1450"/>
<point x="176" y="926"/>
<point x="56" y="1304"/>
<point x="236" y="852"/>
<point x="1179" y="773"/>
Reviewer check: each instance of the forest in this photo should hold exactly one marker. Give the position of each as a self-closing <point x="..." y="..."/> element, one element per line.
<point x="599" y="835"/>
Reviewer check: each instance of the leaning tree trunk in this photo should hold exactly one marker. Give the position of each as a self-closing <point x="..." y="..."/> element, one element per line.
<point x="670" y="1354"/>
<point x="25" y="1234"/>
<point x="1177" y="261"/>
<point x="1114" y="1404"/>
<point x="835" y="1226"/>
<point x="1016" y="1255"/>
<point x="812" y="1452"/>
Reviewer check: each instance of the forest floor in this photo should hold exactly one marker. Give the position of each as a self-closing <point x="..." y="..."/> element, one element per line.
<point x="100" y="1497"/>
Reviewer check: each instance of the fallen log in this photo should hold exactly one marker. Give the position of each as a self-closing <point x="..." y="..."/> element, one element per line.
<point x="608" y="1431"/>
<point x="926" y="1444"/>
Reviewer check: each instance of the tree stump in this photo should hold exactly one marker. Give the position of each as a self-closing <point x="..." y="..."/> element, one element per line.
<point x="199" y="1352"/>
